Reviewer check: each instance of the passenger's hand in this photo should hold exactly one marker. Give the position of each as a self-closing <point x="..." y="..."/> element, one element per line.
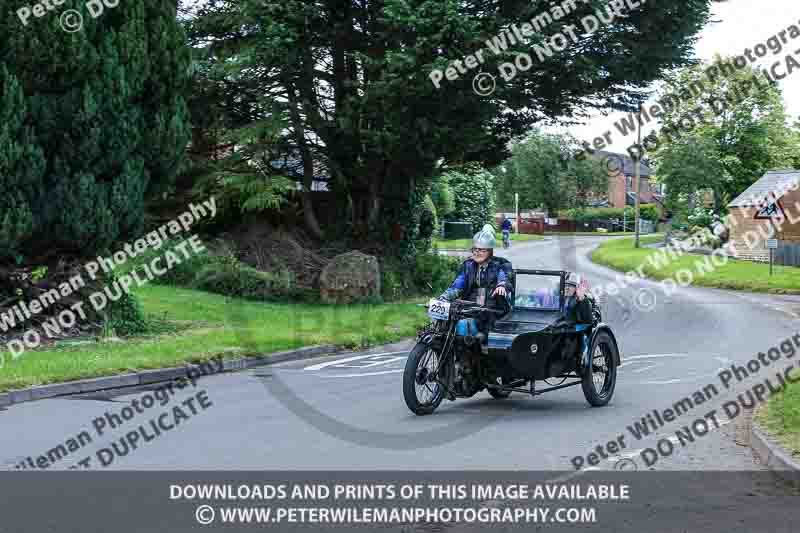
<point x="582" y="289"/>
<point x="499" y="291"/>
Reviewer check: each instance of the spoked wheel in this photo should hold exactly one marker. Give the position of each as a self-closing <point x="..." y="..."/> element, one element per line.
<point x="600" y="378"/>
<point x="499" y="394"/>
<point x="421" y="393"/>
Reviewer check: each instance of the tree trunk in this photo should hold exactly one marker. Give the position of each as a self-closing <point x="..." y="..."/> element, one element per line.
<point x="309" y="217"/>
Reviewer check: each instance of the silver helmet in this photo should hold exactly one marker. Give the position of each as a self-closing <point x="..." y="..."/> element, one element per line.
<point x="573" y="280"/>
<point x="485" y="238"/>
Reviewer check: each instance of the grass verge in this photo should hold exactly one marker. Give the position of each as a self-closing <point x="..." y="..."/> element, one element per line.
<point x="458" y="244"/>
<point x="780" y="417"/>
<point x="205" y="325"/>
<point x="620" y="254"/>
<point x="593" y="233"/>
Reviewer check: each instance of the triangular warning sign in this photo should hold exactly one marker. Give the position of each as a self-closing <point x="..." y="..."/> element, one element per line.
<point x="770" y="208"/>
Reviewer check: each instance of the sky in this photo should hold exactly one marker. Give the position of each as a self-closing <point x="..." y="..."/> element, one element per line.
<point x="742" y="24"/>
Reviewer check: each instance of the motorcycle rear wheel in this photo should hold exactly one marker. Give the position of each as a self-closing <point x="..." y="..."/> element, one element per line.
<point x="421" y="395"/>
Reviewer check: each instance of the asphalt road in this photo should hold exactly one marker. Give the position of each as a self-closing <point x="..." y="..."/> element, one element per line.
<point x="347" y="411"/>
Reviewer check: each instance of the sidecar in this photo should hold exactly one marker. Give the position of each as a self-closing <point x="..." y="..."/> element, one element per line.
<point x="540" y="340"/>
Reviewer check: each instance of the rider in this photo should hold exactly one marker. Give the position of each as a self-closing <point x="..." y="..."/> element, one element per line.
<point x="477" y="275"/>
<point x="506" y="227"/>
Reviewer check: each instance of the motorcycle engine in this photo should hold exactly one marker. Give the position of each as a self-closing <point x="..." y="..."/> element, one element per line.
<point x="466" y="380"/>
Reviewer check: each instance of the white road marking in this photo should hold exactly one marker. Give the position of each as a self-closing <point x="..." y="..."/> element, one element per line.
<point x="376" y="363"/>
<point x="674" y="440"/>
<point x="656" y="355"/>
<point x="646" y="368"/>
<point x="320" y="366"/>
<point x="361" y="375"/>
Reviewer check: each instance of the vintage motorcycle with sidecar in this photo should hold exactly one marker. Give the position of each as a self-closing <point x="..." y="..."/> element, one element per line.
<point x="534" y="340"/>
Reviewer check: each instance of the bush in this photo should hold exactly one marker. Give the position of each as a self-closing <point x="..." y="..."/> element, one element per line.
<point x="443" y="198"/>
<point x="646" y="211"/>
<point x="473" y="188"/>
<point x="428" y="221"/>
<point x="225" y="274"/>
<point x="125" y="316"/>
<point x="181" y="275"/>
<point x="701" y="217"/>
<point x="431" y="274"/>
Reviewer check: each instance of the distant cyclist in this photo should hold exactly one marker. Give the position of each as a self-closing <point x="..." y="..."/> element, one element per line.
<point x="506" y="228"/>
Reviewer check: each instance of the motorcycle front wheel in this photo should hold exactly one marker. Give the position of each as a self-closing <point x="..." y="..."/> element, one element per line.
<point x="421" y="394"/>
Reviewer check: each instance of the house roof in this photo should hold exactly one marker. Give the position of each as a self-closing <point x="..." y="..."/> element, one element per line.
<point x="776" y="182"/>
<point x="626" y="163"/>
<point x="630" y="198"/>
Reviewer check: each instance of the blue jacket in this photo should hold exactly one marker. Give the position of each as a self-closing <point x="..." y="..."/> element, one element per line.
<point x="499" y="272"/>
<point x="507" y="225"/>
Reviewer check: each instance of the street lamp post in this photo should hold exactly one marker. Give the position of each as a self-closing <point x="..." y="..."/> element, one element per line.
<point x="637" y="161"/>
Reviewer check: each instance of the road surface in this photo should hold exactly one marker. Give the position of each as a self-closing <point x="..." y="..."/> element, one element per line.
<point x="347" y="412"/>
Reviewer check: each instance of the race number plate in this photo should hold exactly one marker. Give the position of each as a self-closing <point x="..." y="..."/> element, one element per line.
<point x="439" y="309"/>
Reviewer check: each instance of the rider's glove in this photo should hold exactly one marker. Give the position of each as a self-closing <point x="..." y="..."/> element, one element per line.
<point x="449" y="295"/>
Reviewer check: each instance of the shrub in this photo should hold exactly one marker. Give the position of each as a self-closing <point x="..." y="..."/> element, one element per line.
<point x="646" y="211"/>
<point x="701" y="217"/>
<point x="443" y="198"/>
<point x="428" y="220"/>
<point x="125" y="315"/>
<point x="182" y="275"/>
<point x="225" y="274"/>
<point x="430" y="274"/>
<point x="473" y="188"/>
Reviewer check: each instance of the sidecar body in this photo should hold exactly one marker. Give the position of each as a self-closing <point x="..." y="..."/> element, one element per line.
<point x="536" y="340"/>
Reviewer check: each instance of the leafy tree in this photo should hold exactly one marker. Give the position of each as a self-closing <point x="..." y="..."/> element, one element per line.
<point x="442" y="196"/>
<point x="543" y="173"/>
<point x="428" y="221"/>
<point x="244" y="180"/>
<point x="794" y="147"/>
<point x="473" y="187"/>
<point x="354" y="78"/>
<point x="92" y="122"/>
<point x="739" y="131"/>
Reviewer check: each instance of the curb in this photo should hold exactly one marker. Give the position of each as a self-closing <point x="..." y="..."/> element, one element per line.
<point x="159" y="375"/>
<point x="773" y="456"/>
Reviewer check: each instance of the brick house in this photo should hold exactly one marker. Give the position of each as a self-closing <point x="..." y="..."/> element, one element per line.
<point x="773" y="200"/>
<point x="621" y="190"/>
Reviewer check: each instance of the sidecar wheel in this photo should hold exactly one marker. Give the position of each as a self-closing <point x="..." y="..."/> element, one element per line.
<point x="600" y="378"/>
<point x="422" y="396"/>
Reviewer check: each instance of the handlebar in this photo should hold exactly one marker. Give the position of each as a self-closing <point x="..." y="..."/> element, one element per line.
<point x="473" y="306"/>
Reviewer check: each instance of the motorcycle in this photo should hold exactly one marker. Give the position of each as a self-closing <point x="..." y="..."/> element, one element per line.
<point x="533" y="341"/>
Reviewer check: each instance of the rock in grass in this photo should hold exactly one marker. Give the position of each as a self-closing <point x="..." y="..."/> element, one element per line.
<point x="351" y="277"/>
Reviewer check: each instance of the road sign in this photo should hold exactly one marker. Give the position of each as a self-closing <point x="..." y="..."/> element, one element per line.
<point x="772" y="244"/>
<point x="770" y="209"/>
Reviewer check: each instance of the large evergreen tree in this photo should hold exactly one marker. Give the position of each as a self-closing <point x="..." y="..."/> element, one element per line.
<point x="354" y="78"/>
<point x="91" y="122"/>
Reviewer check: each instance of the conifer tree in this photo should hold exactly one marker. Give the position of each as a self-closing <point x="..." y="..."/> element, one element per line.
<point x="93" y="121"/>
